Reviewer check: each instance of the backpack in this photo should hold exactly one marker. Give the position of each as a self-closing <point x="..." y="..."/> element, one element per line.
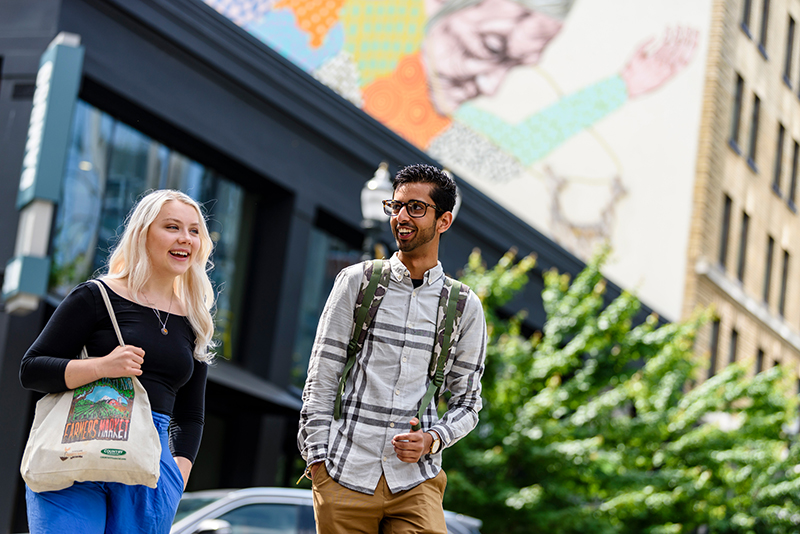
<point x="374" y="285"/>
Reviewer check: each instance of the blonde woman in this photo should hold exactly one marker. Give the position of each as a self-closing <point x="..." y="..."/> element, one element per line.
<point x="159" y="287"/>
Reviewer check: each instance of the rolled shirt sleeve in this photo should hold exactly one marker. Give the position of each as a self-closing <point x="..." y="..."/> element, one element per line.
<point x="464" y="378"/>
<point x="328" y="356"/>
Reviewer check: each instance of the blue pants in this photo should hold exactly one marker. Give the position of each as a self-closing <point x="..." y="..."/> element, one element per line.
<point x="111" y="507"/>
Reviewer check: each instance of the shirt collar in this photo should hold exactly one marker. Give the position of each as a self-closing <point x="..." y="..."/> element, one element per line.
<point x="399" y="271"/>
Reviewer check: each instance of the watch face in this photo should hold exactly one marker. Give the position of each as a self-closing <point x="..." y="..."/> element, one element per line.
<point x="435" y="446"/>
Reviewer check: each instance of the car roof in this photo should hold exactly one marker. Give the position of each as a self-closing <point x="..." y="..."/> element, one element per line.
<point x="294" y="493"/>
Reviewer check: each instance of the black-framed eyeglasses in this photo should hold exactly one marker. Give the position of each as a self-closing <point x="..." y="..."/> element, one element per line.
<point x="414" y="208"/>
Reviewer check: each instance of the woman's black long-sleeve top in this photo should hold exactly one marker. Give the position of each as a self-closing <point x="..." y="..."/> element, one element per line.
<point x="175" y="382"/>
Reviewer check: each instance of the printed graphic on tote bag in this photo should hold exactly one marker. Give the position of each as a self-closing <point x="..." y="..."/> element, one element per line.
<point x="100" y="410"/>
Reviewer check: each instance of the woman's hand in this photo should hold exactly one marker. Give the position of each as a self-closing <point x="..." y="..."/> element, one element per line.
<point x="122" y="361"/>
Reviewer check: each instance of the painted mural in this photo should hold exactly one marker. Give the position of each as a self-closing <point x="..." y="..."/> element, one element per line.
<point x="580" y="116"/>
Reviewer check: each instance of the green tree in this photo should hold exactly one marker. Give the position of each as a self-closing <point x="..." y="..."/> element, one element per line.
<point x="593" y="426"/>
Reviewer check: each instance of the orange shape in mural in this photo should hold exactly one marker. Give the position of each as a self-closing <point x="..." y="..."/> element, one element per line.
<point x="315" y="17"/>
<point x="401" y="102"/>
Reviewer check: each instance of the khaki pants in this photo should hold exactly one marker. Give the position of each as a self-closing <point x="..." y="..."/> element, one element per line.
<point x="339" y="510"/>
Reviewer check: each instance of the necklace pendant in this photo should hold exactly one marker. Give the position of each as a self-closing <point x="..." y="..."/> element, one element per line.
<point x="164" y="330"/>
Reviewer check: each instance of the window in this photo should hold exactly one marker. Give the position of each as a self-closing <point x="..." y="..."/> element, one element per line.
<point x="732" y="348"/>
<point x="759" y="361"/>
<point x="751" y="151"/>
<point x="790" y="194"/>
<point x="748" y="4"/>
<point x="270" y="518"/>
<point x="736" y="119"/>
<point x="712" y="368"/>
<point x="787" y="64"/>
<point x="776" y="178"/>
<point x="726" y="225"/>
<point x="784" y="282"/>
<point x="762" y="44"/>
<point x="109" y="166"/>
<point x="768" y="269"/>
<point x="742" y="247"/>
<point x="327" y="255"/>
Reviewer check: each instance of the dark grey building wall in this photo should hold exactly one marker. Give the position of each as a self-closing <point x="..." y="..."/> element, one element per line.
<point x="24" y="34"/>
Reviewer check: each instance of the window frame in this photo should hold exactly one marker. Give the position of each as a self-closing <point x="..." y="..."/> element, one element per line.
<point x="743" y="238"/>
<point x="787" y="64"/>
<point x="762" y="40"/>
<point x="736" y="119"/>
<point x="778" y="167"/>
<point x="766" y="290"/>
<point x="791" y="193"/>
<point x="727" y="211"/>
<point x="784" y="283"/>
<point x="733" y="346"/>
<point x="752" y="146"/>
<point x="746" y="13"/>
<point x="714" y="347"/>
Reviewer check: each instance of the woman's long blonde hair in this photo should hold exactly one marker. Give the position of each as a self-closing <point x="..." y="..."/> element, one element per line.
<point x="129" y="260"/>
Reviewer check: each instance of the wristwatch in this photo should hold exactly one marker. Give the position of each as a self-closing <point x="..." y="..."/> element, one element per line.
<point x="437" y="443"/>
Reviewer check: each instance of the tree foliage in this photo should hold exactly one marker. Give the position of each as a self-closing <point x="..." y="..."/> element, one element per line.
<point x="593" y="426"/>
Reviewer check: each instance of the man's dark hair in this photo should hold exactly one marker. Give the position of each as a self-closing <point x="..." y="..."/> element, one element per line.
<point x="443" y="192"/>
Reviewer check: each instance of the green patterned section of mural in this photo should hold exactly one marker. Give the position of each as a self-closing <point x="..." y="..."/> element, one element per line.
<point x="378" y="34"/>
<point x="533" y="138"/>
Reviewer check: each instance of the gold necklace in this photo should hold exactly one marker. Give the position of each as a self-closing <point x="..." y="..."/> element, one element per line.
<point x="163" y="323"/>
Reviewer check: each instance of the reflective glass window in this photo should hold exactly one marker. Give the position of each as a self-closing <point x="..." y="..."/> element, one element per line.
<point x="110" y="166"/>
<point x="327" y="255"/>
<point x="264" y="519"/>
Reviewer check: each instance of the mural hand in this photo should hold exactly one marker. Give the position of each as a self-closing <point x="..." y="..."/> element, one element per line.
<point x="650" y="68"/>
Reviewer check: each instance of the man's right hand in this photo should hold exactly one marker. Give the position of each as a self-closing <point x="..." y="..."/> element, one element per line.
<point x="314" y="468"/>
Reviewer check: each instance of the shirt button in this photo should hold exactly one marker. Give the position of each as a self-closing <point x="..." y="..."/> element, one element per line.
<point x="391" y="425"/>
<point x="397" y="392"/>
<point x="405" y="359"/>
<point x="384" y="458"/>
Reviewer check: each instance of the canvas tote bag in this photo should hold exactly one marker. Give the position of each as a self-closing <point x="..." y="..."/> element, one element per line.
<point x="100" y="432"/>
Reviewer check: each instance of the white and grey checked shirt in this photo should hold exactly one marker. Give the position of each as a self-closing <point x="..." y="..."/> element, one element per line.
<point x="387" y="382"/>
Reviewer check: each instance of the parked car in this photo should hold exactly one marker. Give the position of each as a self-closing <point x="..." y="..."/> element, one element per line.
<point x="267" y="511"/>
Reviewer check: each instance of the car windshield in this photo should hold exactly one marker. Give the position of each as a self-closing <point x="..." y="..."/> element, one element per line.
<point x="190" y="505"/>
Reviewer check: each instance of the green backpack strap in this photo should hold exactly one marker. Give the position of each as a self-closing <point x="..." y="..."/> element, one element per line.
<point x="438" y="373"/>
<point x="373" y="287"/>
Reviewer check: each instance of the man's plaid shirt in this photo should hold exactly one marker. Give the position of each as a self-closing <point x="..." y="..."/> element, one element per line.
<point x="388" y="381"/>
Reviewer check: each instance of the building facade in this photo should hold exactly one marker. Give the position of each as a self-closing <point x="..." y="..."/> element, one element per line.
<point x="582" y="118"/>
<point x="745" y="236"/>
<point x="170" y="93"/>
<point x="667" y="128"/>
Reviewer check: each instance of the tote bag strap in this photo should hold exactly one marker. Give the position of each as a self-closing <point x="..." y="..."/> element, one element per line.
<point x="110" y="312"/>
